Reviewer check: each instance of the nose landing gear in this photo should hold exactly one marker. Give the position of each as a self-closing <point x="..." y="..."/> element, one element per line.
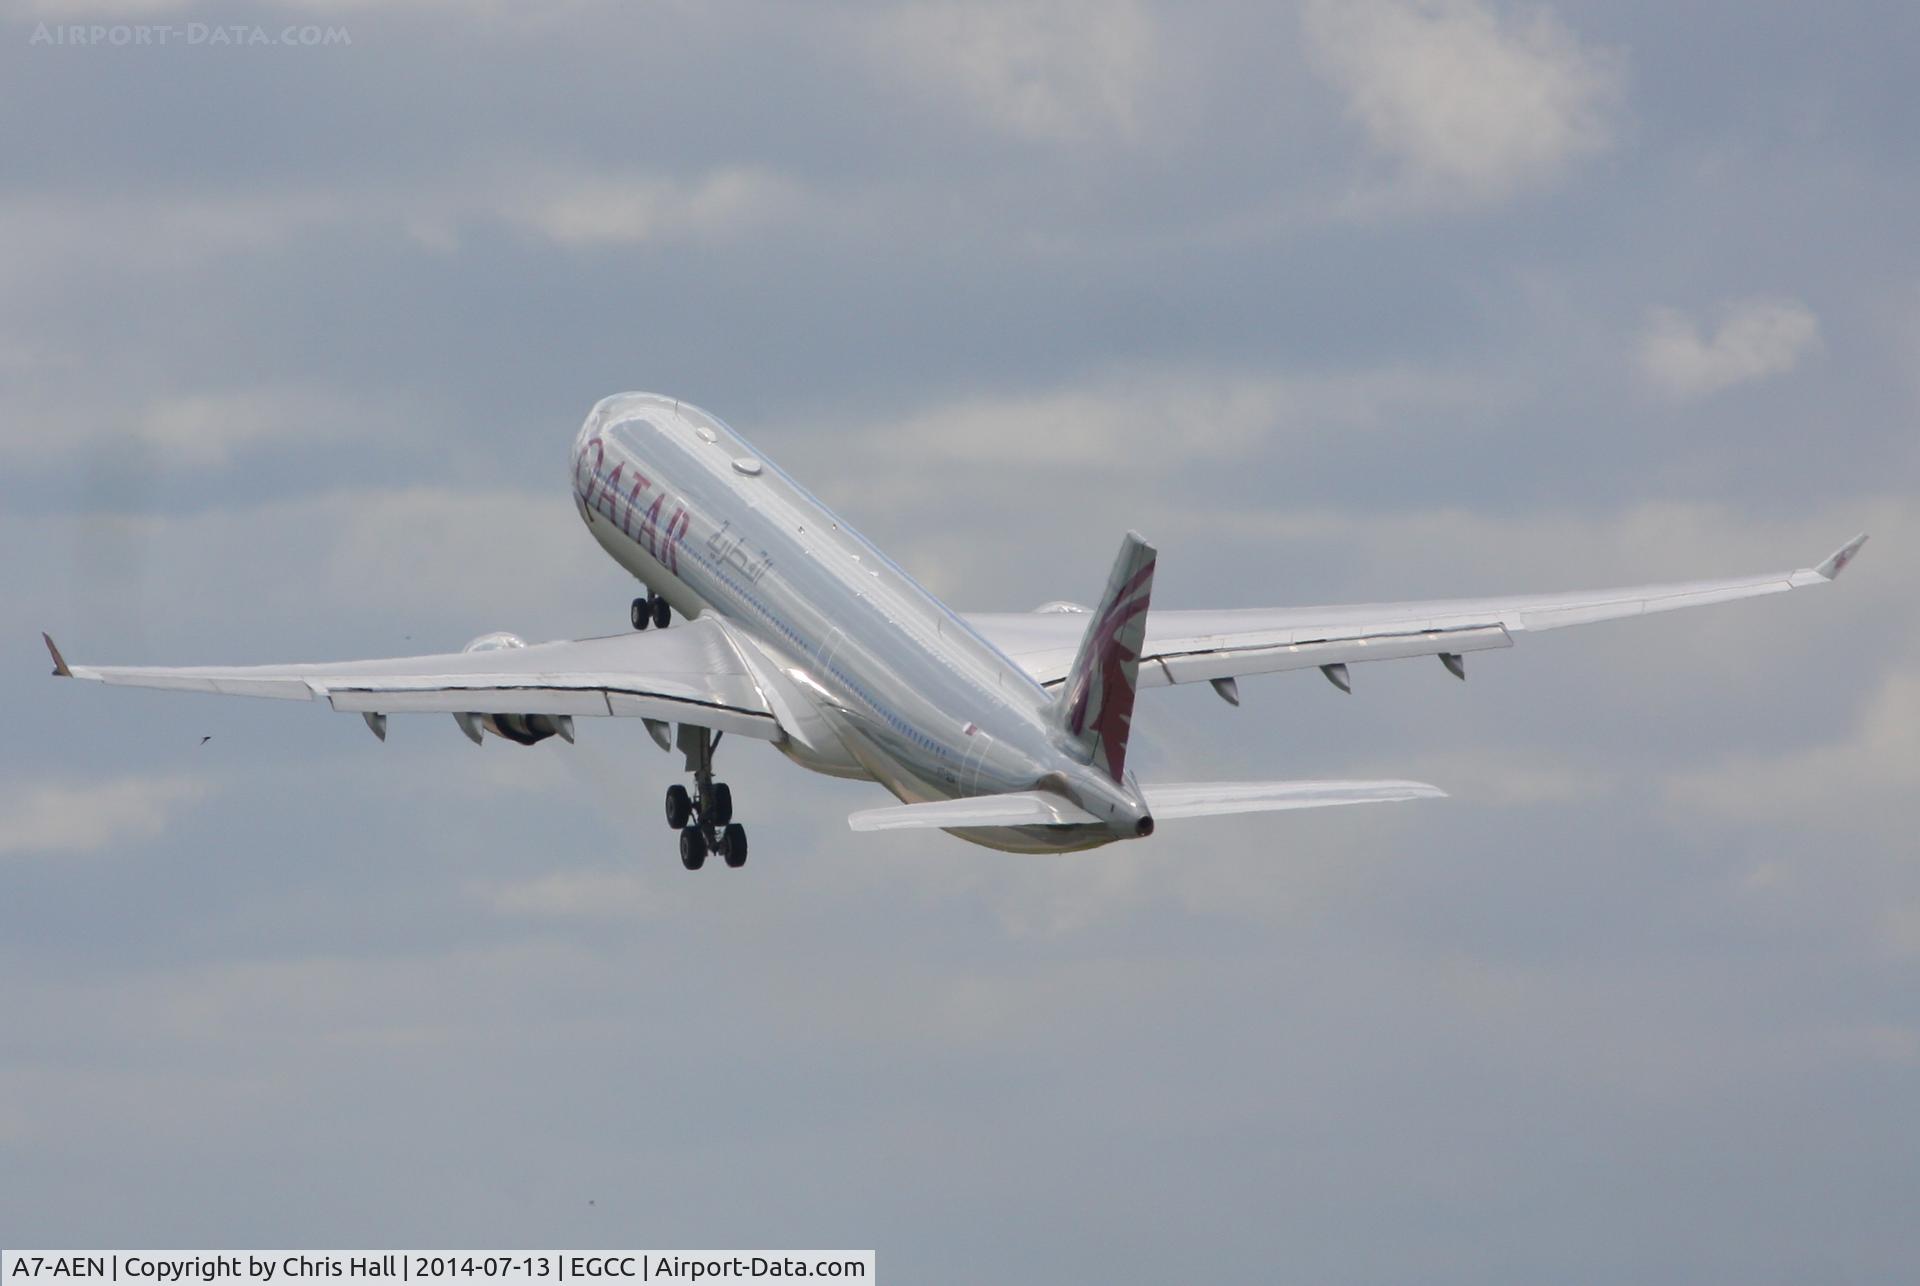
<point x="704" y="818"/>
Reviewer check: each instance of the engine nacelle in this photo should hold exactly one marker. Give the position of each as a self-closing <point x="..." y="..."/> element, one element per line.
<point x="494" y="642"/>
<point x="524" y="729"/>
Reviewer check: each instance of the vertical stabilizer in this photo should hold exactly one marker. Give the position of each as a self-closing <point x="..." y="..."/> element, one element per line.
<point x="1095" y="705"/>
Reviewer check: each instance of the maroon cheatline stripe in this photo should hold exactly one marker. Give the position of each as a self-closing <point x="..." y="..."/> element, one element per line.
<point x="1123" y="608"/>
<point x="1106" y="659"/>
<point x="1100" y="646"/>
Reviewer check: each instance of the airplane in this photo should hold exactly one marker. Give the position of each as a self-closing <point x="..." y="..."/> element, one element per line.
<point x="1009" y="730"/>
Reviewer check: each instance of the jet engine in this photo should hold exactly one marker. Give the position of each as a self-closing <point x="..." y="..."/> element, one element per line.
<point x="524" y="729"/>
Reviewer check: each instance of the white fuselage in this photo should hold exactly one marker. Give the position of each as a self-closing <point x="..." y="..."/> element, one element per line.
<point x="872" y="676"/>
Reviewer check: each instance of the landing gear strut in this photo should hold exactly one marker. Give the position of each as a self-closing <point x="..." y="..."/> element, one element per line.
<point x="652" y="610"/>
<point x="704" y="818"/>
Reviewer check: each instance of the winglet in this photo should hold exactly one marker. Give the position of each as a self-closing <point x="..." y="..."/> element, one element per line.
<point x="60" y="669"/>
<point x="1837" y="561"/>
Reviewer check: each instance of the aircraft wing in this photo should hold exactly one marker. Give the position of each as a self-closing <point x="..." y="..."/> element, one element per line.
<point x="1218" y="646"/>
<point x="690" y="674"/>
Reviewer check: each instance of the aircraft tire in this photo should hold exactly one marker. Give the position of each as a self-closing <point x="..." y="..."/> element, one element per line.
<point x="733" y="845"/>
<point x="719" y="805"/>
<point x="693" y="848"/>
<point x="641" y="613"/>
<point x="662" y="613"/>
<point x="679" y="807"/>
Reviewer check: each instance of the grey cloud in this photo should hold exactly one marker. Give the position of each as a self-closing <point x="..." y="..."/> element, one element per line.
<point x="1056" y="71"/>
<point x="1473" y="102"/>
<point x="39" y="818"/>
<point x="1874" y="766"/>
<point x="1755" y="339"/>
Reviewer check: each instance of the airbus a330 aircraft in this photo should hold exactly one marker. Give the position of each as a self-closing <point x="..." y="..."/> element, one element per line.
<point x="1007" y="730"/>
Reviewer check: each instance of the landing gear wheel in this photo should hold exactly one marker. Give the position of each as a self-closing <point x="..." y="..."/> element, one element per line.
<point x="662" y="612"/>
<point x="733" y="845"/>
<point x="717" y="808"/>
<point x="640" y="613"/>
<point x="693" y="848"/>
<point x="679" y="807"/>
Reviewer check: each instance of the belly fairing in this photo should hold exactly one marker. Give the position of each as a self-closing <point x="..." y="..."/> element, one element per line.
<point x="1036" y="839"/>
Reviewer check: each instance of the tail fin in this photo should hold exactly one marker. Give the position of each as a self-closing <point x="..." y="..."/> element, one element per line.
<point x="1095" y="706"/>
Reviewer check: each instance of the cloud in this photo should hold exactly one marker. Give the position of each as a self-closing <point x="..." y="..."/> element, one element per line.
<point x="206" y="430"/>
<point x="69" y="10"/>
<point x="48" y="235"/>
<point x="1861" y="775"/>
<point x="1471" y="104"/>
<point x="385" y="544"/>
<point x="1508" y="779"/>
<point x="1542" y="548"/>
<point x="202" y="430"/>
<point x="1757" y="338"/>
<point x="64" y="817"/>
<point x="1048" y="71"/>
<point x="72" y="9"/>
<point x="622" y="895"/>
<point x="600" y="212"/>
<point x="1112" y="422"/>
<point x="441" y="564"/>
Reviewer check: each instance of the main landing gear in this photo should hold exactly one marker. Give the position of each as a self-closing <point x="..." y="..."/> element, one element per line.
<point x="652" y="610"/>
<point x="704" y="818"/>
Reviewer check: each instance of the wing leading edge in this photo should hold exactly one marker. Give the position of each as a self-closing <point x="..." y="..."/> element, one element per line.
<point x="692" y="674"/>
<point x="1217" y="646"/>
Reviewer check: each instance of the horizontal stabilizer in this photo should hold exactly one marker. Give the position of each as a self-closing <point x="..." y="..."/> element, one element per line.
<point x="1208" y="798"/>
<point x="1174" y="799"/>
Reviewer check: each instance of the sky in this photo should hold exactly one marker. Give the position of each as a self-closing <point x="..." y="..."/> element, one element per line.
<point x="1332" y="301"/>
